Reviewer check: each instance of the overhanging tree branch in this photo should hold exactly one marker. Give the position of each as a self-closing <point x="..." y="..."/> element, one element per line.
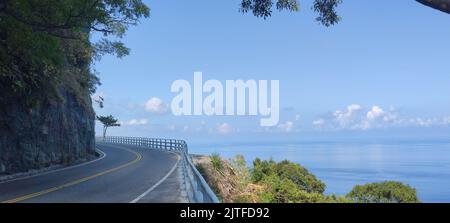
<point x="441" y="5"/>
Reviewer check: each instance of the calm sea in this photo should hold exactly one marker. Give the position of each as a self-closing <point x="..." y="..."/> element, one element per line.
<point x="341" y="165"/>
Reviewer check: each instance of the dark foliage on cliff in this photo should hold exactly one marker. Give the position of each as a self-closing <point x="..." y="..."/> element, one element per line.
<point x="46" y="115"/>
<point x="45" y="43"/>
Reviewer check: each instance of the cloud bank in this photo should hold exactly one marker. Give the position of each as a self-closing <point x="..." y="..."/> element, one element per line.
<point x="356" y="117"/>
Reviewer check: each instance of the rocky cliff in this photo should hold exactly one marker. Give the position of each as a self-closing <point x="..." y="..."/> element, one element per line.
<point x="56" y="132"/>
<point x="46" y="114"/>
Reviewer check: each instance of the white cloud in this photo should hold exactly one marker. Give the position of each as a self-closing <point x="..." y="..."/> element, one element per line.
<point x="423" y="122"/>
<point x="297" y="117"/>
<point x="224" y="128"/>
<point x="376" y="117"/>
<point x="134" y="122"/>
<point x="155" y="105"/>
<point x="286" y="127"/>
<point x="375" y="113"/>
<point x="355" y="117"/>
<point x="319" y="123"/>
<point x="347" y="118"/>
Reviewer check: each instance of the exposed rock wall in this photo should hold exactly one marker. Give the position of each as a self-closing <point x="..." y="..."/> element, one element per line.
<point x="55" y="132"/>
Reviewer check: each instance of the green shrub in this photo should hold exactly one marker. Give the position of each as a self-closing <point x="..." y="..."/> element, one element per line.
<point x="335" y="199"/>
<point x="384" y="192"/>
<point x="283" y="190"/>
<point x="241" y="171"/>
<point x="297" y="174"/>
<point x="262" y="168"/>
<point x="300" y="176"/>
<point x="216" y="162"/>
<point x="287" y="182"/>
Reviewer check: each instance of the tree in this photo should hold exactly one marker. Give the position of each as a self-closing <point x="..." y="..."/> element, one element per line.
<point x="286" y="170"/>
<point x="107" y="121"/>
<point x="99" y="100"/>
<point x="442" y="5"/>
<point x="325" y="8"/>
<point x="45" y="43"/>
<point x="288" y="182"/>
<point x="35" y="34"/>
<point x="383" y="192"/>
<point x="263" y="8"/>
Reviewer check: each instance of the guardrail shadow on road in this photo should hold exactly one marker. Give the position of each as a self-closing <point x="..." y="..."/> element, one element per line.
<point x="198" y="191"/>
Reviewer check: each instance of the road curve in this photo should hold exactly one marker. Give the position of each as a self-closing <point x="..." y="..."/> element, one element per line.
<point x="125" y="174"/>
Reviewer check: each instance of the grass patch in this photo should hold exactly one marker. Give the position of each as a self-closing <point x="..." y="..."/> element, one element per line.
<point x="216" y="162"/>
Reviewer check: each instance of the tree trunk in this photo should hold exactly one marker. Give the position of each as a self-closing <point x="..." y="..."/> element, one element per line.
<point x="104" y="132"/>
<point x="442" y="5"/>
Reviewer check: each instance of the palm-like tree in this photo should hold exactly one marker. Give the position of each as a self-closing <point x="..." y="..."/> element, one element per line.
<point x="107" y="121"/>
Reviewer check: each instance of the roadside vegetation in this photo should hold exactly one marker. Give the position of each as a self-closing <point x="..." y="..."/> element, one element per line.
<point x="268" y="181"/>
<point x="384" y="192"/>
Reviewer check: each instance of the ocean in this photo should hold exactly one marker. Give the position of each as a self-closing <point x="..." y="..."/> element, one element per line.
<point x="424" y="165"/>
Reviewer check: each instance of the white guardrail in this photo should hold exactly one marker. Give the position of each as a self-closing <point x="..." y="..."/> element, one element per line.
<point x="198" y="191"/>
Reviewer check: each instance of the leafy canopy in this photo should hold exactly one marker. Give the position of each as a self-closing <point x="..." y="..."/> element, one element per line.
<point x="383" y="192"/>
<point x="108" y="121"/>
<point x="293" y="172"/>
<point x="263" y="8"/>
<point x="44" y="43"/>
<point x="287" y="182"/>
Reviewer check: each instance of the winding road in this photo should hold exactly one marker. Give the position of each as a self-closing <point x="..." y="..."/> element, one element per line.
<point x="123" y="173"/>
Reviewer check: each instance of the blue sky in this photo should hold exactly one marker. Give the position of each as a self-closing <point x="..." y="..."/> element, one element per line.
<point x="382" y="71"/>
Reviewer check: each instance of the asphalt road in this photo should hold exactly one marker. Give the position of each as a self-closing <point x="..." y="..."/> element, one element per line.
<point x="123" y="174"/>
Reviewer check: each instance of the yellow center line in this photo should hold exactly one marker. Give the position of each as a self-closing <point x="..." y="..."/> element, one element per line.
<point x="29" y="196"/>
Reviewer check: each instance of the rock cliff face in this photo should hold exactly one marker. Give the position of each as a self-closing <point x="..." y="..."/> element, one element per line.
<point x="55" y="132"/>
<point x="46" y="114"/>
